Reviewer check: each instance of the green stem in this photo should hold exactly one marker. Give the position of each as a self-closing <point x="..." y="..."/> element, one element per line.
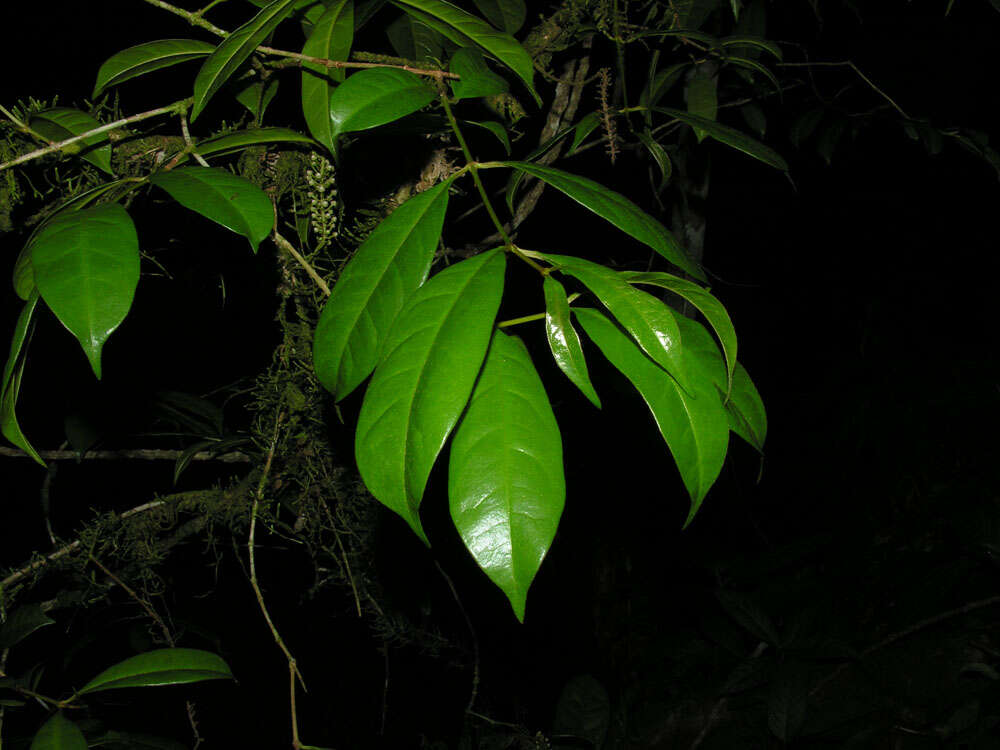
<point x="531" y="318"/>
<point x="473" y="167"/>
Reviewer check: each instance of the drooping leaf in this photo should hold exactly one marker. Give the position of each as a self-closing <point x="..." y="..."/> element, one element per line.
<point x="431" y="359"/>
<point x="145" y="58"/>
<point x="234" y="50"/>
<point x="704" y="302"/>
<point x="731" y="137"/>
<point x="476" y="79"/>
<point x="464" y="29"/>
<point x="62" y="123"/>
<point x="588" y="123"/>
<point x="660" y="156"/>
<point x="21" y="623"/>
<point x="755" y="42"/>
<point x="702" y="100"/>
<point x="756" y="67"/>
<point x="59" y="733"/>
<point x="693" y="425"/>
<point x="13" y="370"/>
<point x="230" y="142"/>
<point x="389" y="266"/>
<point x="86" y="266"/>
<point x="415" y="40"/>
<point x="225" y="198"/>
<point x="331" y="39"/>
<point x="256" y="95"/>
<point x="647" y="319"/>
<point x="165" y="666"/>
<point x="506" y="485"/>
<point x="661" y="83"/>
<point x="563" y="340"/>
<point x="506" y="15"/>
<point x="497" y="129"/>
<point x="375" y="96"/>
<point x="615" y="208"/>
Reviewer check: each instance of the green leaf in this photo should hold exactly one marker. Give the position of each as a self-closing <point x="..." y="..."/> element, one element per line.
<point x="331" y="39"/>
<point x="506" y="15"/>
<point x="432" y="357"/>
<point x="256" y="95"/>
<point x="497" y="129"/>
<point x="617" y="209"/>
<point x="755" y="66"/>
<point x="59" y="733"/>
<point x="704" y="302"/>
<point x="647" y="319"/>
<point x="234" y="50"/>
<point x="754" y="116"/>
<point x="660" y="156"/>
<point x="661" y="83"/>
<point x="388" y="267"/>
<point x="241" y="139"/>
<point x="753" y="41"/>
<point x="693" y="425"/>
<point x="86" y="266"/>
<point x="145" y="58"/>
<point x="476" y="78"/>
<point x="62" y="123"/>
<point x="464" y="29"/>
<point x="506" y="485"/>
<point x="225" y="198"/>
<point x="375" y="96"/>
<point x="563" y="340"/>
<point x="588" y="123"/>
<point x="165" y="666"/>
<point x="12" y="372"/>
<point x="21" y="623"/>
<point x="415" y="40"/>
<point x="702" y="100"/>
<point x="731" y="137"/>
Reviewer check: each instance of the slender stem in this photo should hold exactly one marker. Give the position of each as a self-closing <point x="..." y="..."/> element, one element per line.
<point x="141" y="454"/>
<point x="146" y="606"/>
<point x="179" y="106"/>
<point x="848" y="64"/>
<point x="531" y="318"/>
<point x="289" y="248"/>
<point x="209" y="7"/>
<point x="190" y="144"/>
<point x="196" y="19"/>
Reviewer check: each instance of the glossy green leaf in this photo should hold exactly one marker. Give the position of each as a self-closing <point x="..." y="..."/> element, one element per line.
<point x="62" y="123"/>
<point x="375" y="96"/>
<point x="225" y="198"/>
<point x="431" y="359"/>
<point x="563" y="340"/>
<point x="647" y="319"/>
<point x="506" y="15"/>
<point x="13" y="370"/>
<point x="506" y="484"/>
<point x="660" y="156"/>
<point x="165" y="666"/>
<point x="744" y="407"/>
<point x="464" y="28"/>
<point x="59" y="733"/>
<point x="587" y="125"/>
<point x="615" y="208"/>
<point x="702" y="100"/>
<point x="704" y="302"/>
<point x="415" y="40"/>
<point x="241" y="139"/>
<point x="21" y="623"/>
<point x="331" y="39"/>
<point x="145" y="58"/>
<point x="731" y="137"/>
<point x="256" y="95"/>
<point x="476" y="79"/>
<point x="389" y="266"/>
<point x="693" y="424"/>
<point x="86" y="266"/>
<point x="234" y="50"/>
<point x="497" y="129"/>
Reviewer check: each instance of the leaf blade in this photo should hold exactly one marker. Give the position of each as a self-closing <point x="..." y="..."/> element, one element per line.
<point x="731" y="137"/>
<point x="432" y="357"/>
<point x="374" y="97"/>
<point x="13" y="370"/>
<point x="145" y="58"/>
<point x="506" y="487"/>
<point x="564" y="342"/>
<point x="331" y="39"/>
<point x="165" y="666"/>
<point x="58" y="733"/>
<point x="62" y="123"/>
<point x="387" y="268"/>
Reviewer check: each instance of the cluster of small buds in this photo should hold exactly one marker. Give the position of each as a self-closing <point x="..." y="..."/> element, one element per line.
<point x="324" y="212"/>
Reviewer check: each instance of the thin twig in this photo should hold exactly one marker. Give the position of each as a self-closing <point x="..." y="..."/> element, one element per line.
<point x="475" y="639"/>
<point x="146" y="606"/>
<point x="178" y="106"/>
<point x="142" y="454"/>
<point x="289" y="248"/>
<point x="190" y="144"/>
<point x="848" y="64"/>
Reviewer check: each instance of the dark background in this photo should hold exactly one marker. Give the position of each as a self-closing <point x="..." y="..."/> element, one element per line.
<point x="863" y="295"/>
